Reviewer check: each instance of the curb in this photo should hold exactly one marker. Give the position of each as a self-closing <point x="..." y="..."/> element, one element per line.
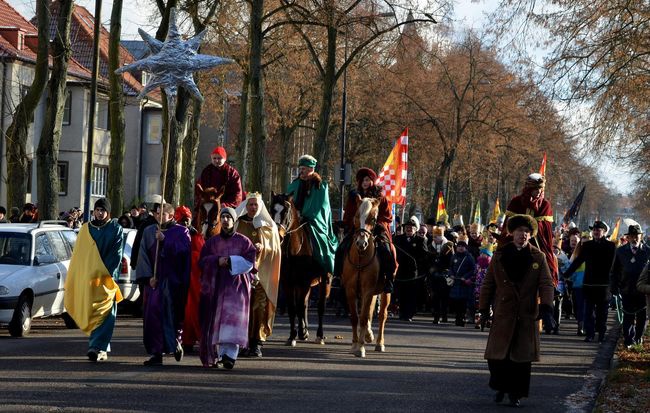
<point x="584" y="400"/>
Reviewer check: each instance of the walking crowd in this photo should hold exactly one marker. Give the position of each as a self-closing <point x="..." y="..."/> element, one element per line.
<point x="210" y="277"/>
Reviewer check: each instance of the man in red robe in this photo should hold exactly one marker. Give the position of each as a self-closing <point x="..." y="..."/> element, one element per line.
<point x="532" y="202"/>
<point x="219" y="174"/>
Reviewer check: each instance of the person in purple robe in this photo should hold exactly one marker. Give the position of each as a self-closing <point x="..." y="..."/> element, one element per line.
<point x="227" y="262"/>
<point x="165" y="287"/>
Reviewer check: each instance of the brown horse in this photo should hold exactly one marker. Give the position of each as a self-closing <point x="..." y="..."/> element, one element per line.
<point x="360" y="277"/>
<point x="299" y="271"/>
<point x="206" y="215"/>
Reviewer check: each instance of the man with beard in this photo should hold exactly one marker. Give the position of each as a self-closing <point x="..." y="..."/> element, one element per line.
<point x="629" y="261"/>
<point x="91" y="293"/>
<point x="228" y="264"/>
<point x="164" y="270"/>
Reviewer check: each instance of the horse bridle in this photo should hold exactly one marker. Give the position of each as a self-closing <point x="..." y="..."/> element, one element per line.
<point x="360" y="267"/>
<point x="284" y="231"/>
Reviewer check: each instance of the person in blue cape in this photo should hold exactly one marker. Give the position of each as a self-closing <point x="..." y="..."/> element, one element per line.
<point x="91" y="291"/>
<point x="311" y="197"/>
<point x="166" y="284"/>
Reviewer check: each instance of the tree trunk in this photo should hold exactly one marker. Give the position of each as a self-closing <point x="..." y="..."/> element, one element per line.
<point x="48" y="147"/>
<point x="172" y="147"/>
<point x="327" y="93"/>
<point x="18" y="131"/>
<point x="190" y="151"/>
<point x="286" y="137"/>
<point x="256" y="178"/>
<point x="442" y="177"/>
<point x="243" y="136"/>
<point x="116" y="112"/>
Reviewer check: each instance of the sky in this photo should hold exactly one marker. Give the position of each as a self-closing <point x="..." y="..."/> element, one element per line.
<point x="469" y="13"/>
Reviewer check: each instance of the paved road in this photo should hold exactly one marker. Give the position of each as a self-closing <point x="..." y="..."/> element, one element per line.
<point x="425" y="367"/>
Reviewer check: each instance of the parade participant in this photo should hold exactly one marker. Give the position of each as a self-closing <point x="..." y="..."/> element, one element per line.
<point x="144" y="223"/>
<point x="439" y="259"/>
<point x="91" y="292"/>
<point x="411" y="257"/>
<point x="629" y="261"/>
<point x="517" y="278"/>
<point x="219" y="174"/>
<point x="191" y="325"/>
<point x="311" y="198"/>
<point x="576" y="280"/>
<point x="532" y="202"/>
<point x="366" y="188"/>
<point x="164" y="271"/>
<point x="462" y="270"/>
<point x="598" y="256"/>
<point x="482" y="265"/>
<point x="256" y="224"/>
<point x="643" y="286"/>
<point x="475" y="240"/>
<point x="227" y="262"/>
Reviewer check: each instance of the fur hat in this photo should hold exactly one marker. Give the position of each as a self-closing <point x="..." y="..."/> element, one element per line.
<point x="522" y="220"/>
<point x="363" y="172"/>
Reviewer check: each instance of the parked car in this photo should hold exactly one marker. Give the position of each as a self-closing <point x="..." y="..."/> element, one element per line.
<point x="126" y="280"/>
<point x="34" y="260"/>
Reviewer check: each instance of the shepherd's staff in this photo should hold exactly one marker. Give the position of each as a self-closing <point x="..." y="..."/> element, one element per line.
<point x="172" y="64"/>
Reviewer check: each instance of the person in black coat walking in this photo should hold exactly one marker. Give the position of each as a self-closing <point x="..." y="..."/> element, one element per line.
<point x="411" y="257"/>
<point x="598" y="256"/>
<point x="629" y="261"/>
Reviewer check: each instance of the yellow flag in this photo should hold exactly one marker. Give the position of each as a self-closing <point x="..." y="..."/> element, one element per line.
<point x="495" y="213"/>
<point x="441" y="213"/>
<point x="614" y="236"/>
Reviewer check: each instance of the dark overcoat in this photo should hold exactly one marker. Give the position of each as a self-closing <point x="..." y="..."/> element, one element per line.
<point x="514" y="326"/>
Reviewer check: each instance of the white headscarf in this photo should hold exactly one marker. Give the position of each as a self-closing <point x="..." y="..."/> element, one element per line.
<point x="262" y="218"/>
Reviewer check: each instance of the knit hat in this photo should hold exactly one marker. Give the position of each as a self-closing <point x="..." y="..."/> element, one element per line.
<point x="221" y="151"/>
<point x="363" y="172"/>
<point x="182" y="212"/>
<point x="230" y="211"/>
<point x="103" y="203"/>
<point x="308" y="161"/>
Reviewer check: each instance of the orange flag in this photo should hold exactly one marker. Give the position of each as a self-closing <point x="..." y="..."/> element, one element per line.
<point x="395" y="171"/>
<point x="542" y="169"/>
<point x="441" y="213"/>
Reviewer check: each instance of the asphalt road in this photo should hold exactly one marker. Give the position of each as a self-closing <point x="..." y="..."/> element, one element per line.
<point x="438" y="368"/>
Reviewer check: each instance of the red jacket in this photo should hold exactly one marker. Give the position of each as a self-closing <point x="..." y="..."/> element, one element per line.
<point x="226" y="176"/>
<point x="384" y="216"/>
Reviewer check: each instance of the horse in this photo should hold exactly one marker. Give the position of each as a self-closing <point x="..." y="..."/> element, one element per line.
<point x="206" y="217"/>
<point x="299" y="271"/>
<point x="360" y="277"/>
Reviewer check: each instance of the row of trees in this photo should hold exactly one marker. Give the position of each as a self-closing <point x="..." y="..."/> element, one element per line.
<point x="477" y="127"/>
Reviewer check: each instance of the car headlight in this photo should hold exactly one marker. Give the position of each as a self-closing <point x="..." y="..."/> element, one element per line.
<point x="4" y="290"/>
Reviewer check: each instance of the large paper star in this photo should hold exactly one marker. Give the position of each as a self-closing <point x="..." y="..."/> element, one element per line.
<point x="172" y="62"/>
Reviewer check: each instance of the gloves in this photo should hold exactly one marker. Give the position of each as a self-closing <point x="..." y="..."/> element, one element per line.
<point x="546" y="315"/>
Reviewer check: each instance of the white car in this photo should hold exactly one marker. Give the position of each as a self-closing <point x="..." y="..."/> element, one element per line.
<point x="34" y="260"/>
<point x="126" y="280"/>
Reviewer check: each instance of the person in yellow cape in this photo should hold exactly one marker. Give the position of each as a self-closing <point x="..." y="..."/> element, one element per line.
<point x="91" y="291"/>
<point x="256" y="224"/>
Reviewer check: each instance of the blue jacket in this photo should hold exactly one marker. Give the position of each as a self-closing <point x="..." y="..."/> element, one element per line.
<point x="463" y="267"/>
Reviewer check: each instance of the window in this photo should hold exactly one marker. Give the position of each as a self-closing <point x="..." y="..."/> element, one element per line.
<point x="71" y="237"/>
<point x="154" y="128"/>
<point x="43" y="246"/>
<point x="23" y="89"/>
<point x="151" y="185"/>
<point x="63" y="177"/>
<point x="100" y="181"/>
<point x="102" y="120"/>
<point x="67" y="110"/>
<point x="58" y="246"/>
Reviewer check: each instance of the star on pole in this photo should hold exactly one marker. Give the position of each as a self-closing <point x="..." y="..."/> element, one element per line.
<point x="173" y="61"/>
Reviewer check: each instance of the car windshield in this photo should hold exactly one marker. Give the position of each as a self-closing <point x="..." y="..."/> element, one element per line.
<point x="15" y="248"/>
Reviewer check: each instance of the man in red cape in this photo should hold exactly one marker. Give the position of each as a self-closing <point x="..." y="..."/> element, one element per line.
<point x="532" y="202"/>
<point x="219" y="174"/>
<point x="191" y="325"/>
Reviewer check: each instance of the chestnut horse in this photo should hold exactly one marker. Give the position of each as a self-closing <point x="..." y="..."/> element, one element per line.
<point x="299" y="271"/>
<point x="360" y="277"/>
<point x="206" y="216"/>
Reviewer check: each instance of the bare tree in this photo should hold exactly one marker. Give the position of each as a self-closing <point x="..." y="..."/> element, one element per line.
<point x="18" y="131"/>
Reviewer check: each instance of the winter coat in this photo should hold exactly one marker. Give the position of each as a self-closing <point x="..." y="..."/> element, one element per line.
<point x="598" y="256"/>
<point x="627" y="267"/>
<point x="463" y="269"/>
<point x="515" y="331"/>
<point x="411" y="256"/>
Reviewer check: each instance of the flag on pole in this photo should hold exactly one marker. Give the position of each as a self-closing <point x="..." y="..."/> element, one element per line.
<point x="395" y="171"/>
<point x="572" y="213"/>
<point x="495" y="213"/>
<point x="614" y="236"/>
<point x="477" y="213"/>
<point x="441" y="212"/>
<point x="542" y="169"/>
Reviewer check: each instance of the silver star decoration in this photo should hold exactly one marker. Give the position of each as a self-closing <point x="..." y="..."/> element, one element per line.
<point x="172" y="62"/>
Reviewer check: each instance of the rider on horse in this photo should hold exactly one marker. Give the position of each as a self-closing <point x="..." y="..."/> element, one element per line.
<point x="219" y="174"/>
<point x="366" y="188"/>
<point x="312" y="200"/>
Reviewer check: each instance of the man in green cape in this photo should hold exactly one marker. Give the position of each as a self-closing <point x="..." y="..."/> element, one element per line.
<point x="311" y="197"/>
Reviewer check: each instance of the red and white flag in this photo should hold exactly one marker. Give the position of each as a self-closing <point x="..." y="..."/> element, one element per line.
<point x="395" y="171"/>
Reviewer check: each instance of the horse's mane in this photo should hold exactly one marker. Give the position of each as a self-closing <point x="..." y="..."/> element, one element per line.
<point x="364" y="210"/>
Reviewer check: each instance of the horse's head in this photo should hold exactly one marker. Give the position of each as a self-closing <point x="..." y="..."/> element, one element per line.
<point x="282" y="209"/>
<point x="207" y="220"/>
<point x="365" y="221"/>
